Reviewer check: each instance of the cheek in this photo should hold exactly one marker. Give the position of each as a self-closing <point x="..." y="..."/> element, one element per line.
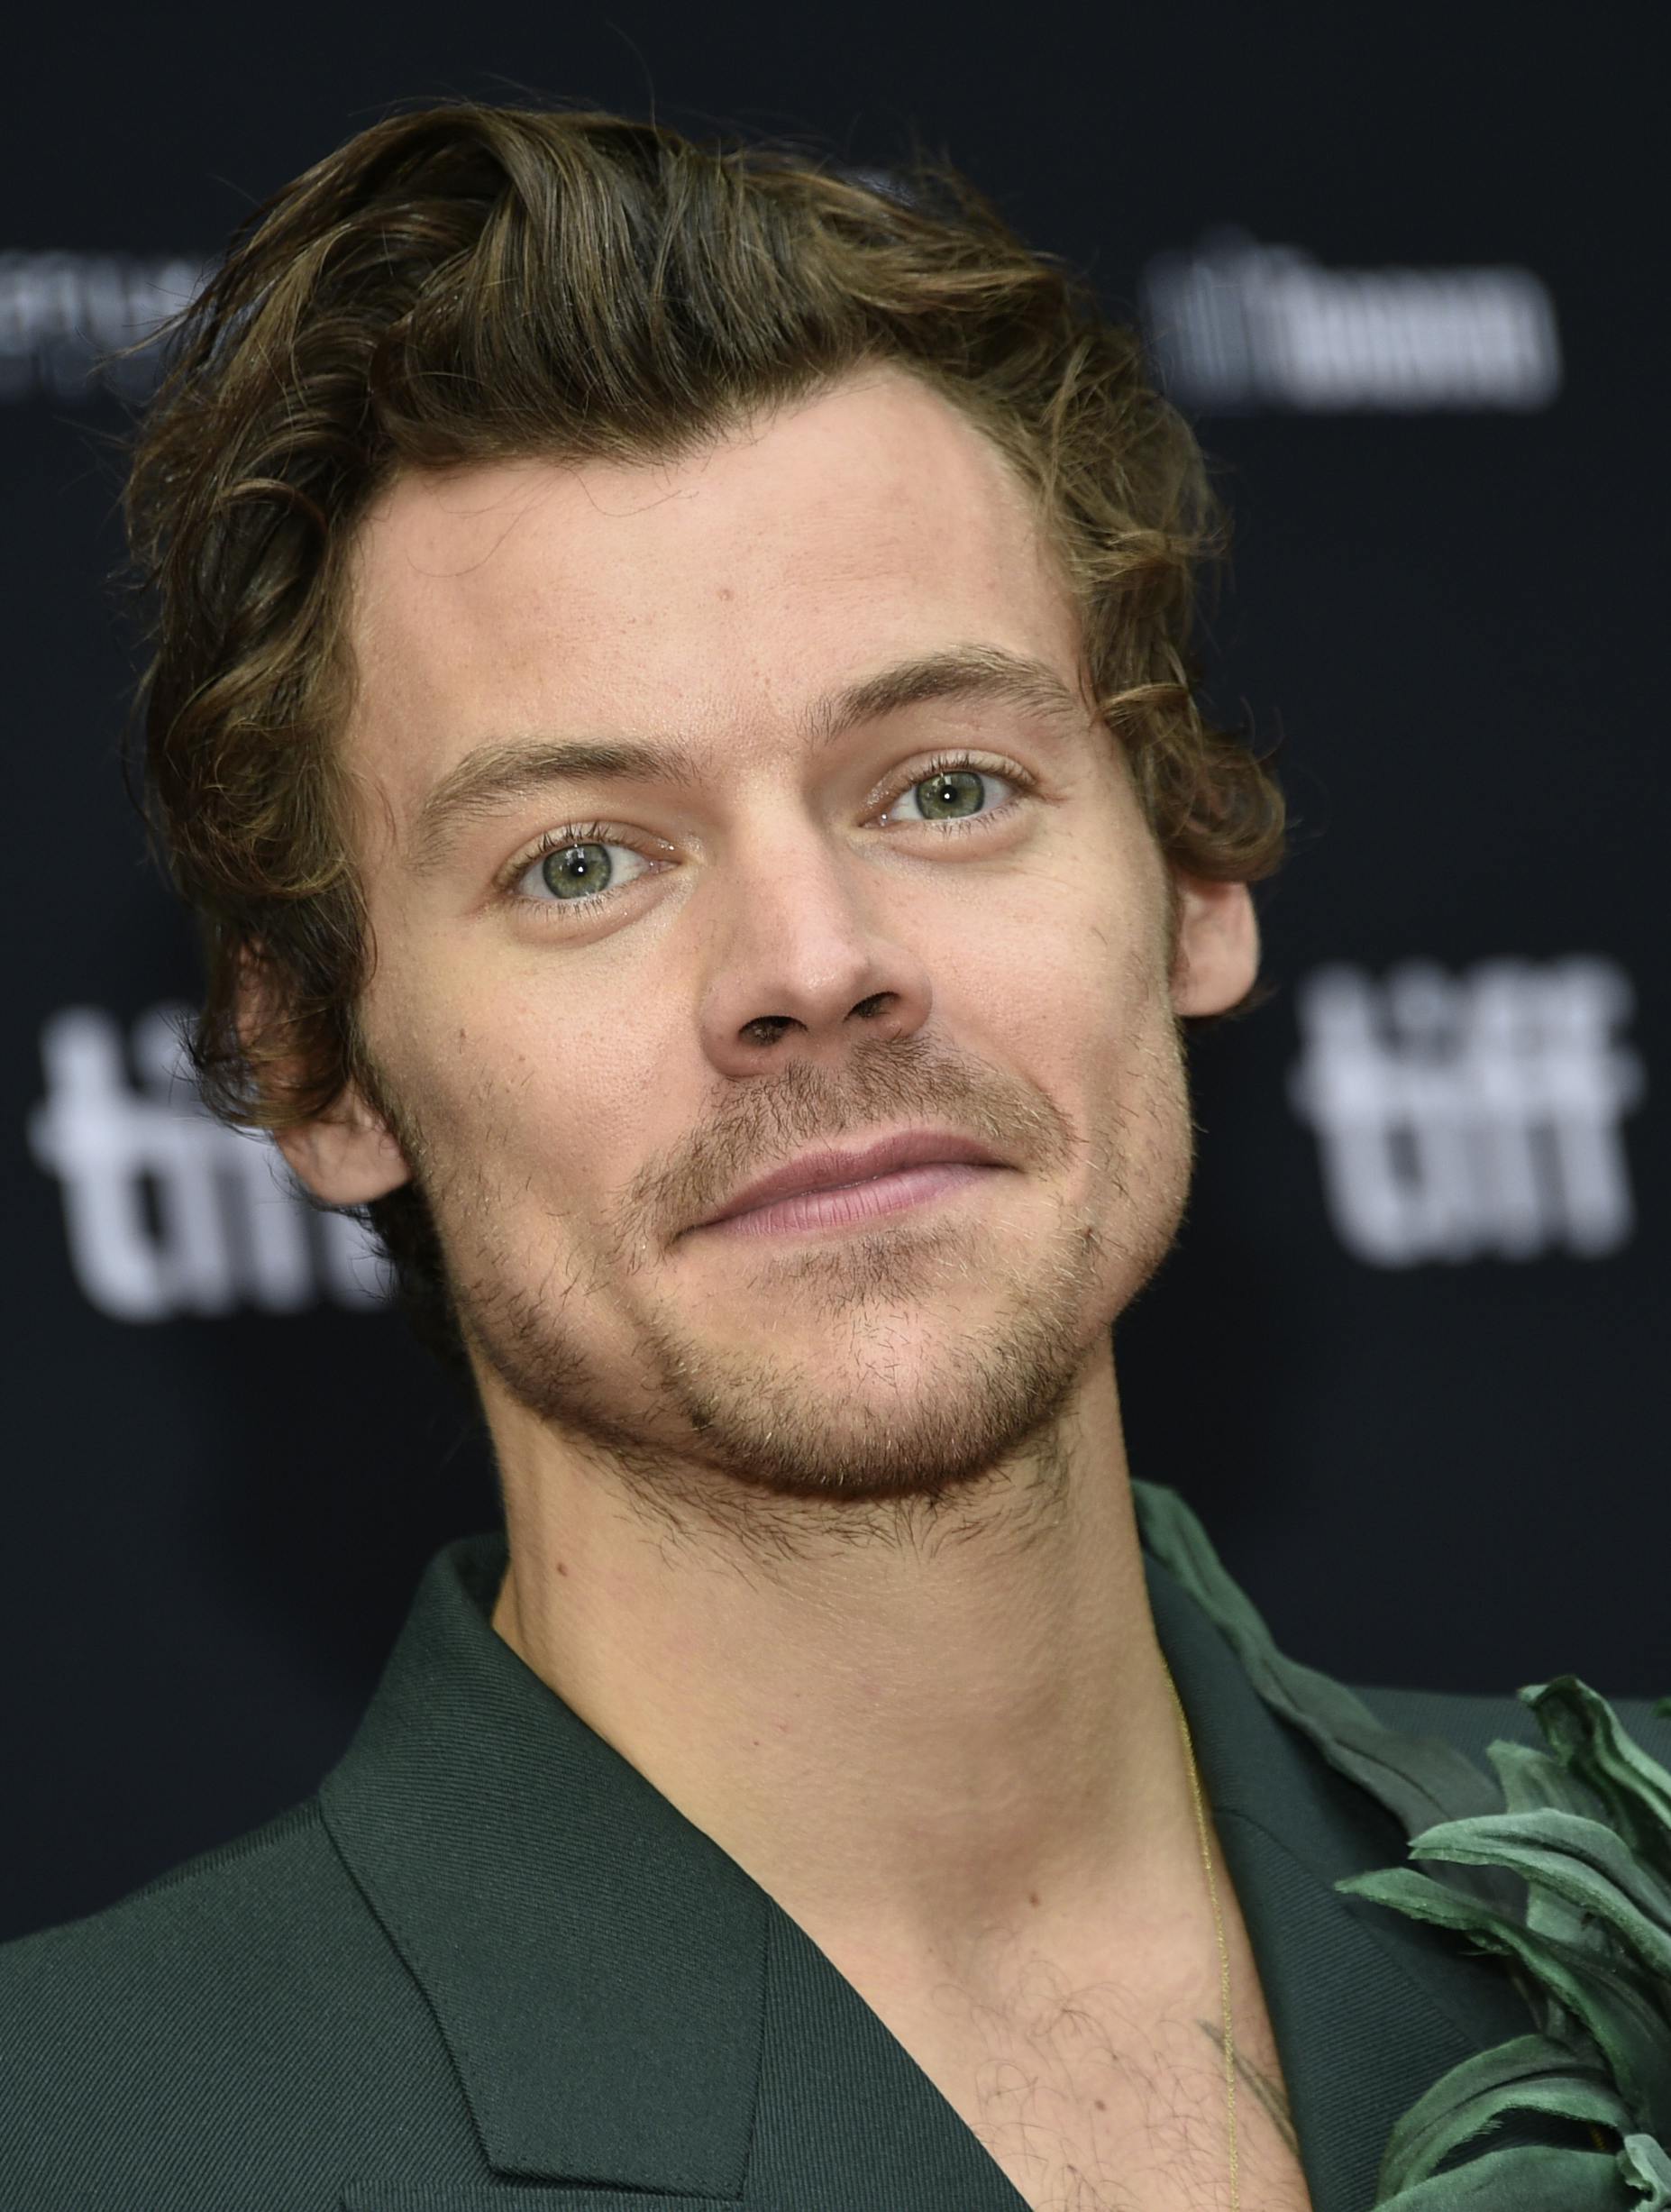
<point x="1077" y="951"/>
<point x="450" y="1067"/>
<point x="529" y="1114"/>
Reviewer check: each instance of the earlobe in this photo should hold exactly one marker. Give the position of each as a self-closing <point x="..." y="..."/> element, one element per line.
<point x="346" y="1155"/>
<point x="1218" y="955"/>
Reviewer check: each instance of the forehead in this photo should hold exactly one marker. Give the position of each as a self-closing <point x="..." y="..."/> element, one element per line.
<point x="715" y="594"/>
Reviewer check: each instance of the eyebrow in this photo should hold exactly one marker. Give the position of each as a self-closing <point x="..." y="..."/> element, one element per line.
<point x="507" y="770"/>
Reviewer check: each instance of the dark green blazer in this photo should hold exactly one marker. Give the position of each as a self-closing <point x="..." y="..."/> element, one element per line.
<point x="490" y="1968"/>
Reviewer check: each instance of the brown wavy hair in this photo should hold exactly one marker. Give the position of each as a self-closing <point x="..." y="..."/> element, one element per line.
<point x="471" y="283"/>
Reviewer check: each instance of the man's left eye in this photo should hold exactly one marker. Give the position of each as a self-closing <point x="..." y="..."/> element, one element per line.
<point x="950" y="794"/>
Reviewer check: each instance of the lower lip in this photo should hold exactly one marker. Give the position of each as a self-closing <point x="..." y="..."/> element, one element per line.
<point x="853" y="1203"/>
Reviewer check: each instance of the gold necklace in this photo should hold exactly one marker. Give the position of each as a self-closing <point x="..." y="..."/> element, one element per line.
<point x="1224" y="1956"/>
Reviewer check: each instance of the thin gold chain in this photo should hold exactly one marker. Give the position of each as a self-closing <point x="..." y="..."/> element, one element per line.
<point x="1218" y="1923"/>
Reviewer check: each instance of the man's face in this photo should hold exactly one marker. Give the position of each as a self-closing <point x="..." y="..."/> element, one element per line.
<point x="602" y="1004"/>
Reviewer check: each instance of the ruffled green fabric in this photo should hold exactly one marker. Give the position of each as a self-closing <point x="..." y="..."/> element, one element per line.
<point x="1564" y="1871"/>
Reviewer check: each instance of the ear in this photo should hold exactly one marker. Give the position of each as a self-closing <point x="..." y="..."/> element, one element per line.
<point x="346" y="1155"/>
<point x="1218" y="955"/>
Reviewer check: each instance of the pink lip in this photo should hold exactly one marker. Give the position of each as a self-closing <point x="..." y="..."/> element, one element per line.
<point x="826" y="1170"/>
<point x="852" y="1203"/>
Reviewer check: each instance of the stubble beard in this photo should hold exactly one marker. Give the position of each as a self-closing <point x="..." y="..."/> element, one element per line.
<point x="749" y="1445"/>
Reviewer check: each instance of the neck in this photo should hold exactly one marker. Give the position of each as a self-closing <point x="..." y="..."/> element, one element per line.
<point x="912" y="1739"/>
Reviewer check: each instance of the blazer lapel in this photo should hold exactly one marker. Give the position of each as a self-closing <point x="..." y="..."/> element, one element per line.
<point x="1369" y="2008"/>
<point x="595" y="1963"/>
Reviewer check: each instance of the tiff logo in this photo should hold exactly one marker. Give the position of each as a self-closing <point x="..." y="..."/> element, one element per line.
<point x="1237" y="326"/>
<point x="167" y="1211"/>
<point x="1472" y="1115"/>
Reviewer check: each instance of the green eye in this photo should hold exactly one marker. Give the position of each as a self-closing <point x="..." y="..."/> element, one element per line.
<point x="576" y="868"/>
<point x="570" y="871"/>
<point x="954" y="794"/>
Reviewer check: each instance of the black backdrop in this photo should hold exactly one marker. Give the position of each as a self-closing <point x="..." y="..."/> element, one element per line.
<point x="1402" y="269"/>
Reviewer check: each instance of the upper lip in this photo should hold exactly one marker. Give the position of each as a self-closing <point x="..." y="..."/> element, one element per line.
<point x="825" y="1168"/>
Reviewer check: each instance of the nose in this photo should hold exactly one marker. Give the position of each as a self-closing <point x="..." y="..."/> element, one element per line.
<point x="808" y="966"/>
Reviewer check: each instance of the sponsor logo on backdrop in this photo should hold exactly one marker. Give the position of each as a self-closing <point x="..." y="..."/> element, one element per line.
<point x="1236" y="327"/>
<point x="167" y="1211"/>
<point x="63" y="314"/>
<point x="1471" y="1116"/>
